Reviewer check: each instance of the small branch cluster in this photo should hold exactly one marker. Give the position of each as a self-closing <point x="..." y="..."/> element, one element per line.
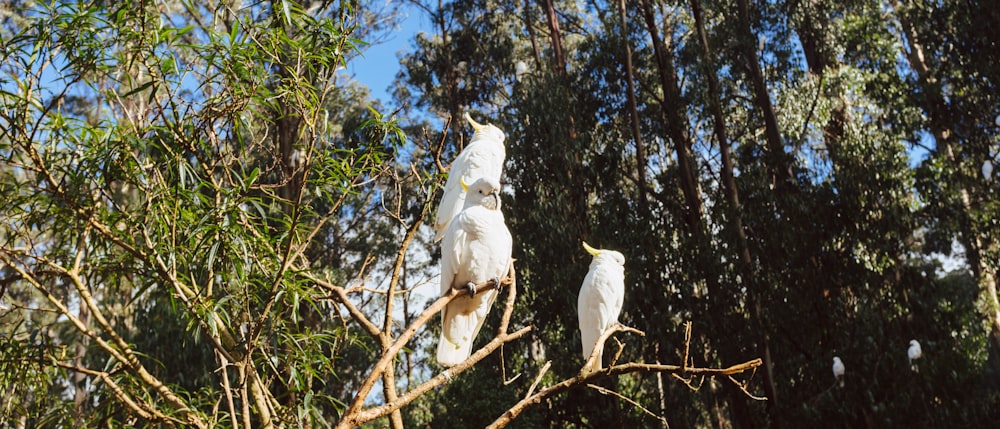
<point x="585" y="377"/>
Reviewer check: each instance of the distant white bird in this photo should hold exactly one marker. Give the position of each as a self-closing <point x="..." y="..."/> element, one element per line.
<point x="914" y="353"/>
<point x="483" y="157"/>
<point x="838" y="370"/>
<point x="520" y="69"/>
<point x="537" y="349"/>
<point x="600" y="300"/>
<point x="987" y="170"/>
<point x="476" y="248"/>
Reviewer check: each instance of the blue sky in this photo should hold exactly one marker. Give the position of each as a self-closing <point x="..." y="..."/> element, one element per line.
<point x="377" y="67"/>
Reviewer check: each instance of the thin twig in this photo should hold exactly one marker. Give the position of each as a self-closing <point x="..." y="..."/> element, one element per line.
<point x="687" y="343"/>
<point x="440" y="147"/>
<point x="743" y="387"/>
<point x="503" y="370"/>
<point x="687" y="382"/>
<point x="354" y="289"/>
<point x="607" y="391"/>
<point x="812" y="106"/>
<point x="228" y="390"/>
<point x="538" y="379"/>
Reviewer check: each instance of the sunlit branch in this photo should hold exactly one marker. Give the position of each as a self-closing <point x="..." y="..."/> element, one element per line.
<point x="585" y="377"/>
<point x="354" y="414"/>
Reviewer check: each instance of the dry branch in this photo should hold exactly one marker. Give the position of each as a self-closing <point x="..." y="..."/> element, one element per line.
<point x="355" y="415"/>
<point x="142" y="409"/>
<point x="584" y="378"/>
<point x="618" y="327"/>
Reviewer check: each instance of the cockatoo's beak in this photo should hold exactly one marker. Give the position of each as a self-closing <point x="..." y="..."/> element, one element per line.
<point x="465" y="186"/>
<point x="496" y="200"/>
<point x="591" y="250"/>
<point x="475" y="125"/>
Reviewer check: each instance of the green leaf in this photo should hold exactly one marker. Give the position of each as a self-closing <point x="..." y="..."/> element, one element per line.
<point x="286" y="6"/>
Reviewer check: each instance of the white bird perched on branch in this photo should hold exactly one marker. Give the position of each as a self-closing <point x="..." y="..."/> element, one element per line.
<point x="483" y="157"/>
<point x="476" y="248"/>
<point x="914" y="353"/>
<point x="600" y="300"/>
<point x="838" y="370"/>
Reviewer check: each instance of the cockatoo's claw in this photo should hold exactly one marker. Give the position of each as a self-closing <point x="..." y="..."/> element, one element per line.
<point x="471" y="287"/>
<point x="496" y="282"/>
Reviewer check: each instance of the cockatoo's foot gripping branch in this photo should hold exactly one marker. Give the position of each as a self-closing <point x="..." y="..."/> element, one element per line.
<point x="471" y="288"/>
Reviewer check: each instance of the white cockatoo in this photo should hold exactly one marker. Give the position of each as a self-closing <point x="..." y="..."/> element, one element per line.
<point x="600" y="300"/>
<point x="537" y="349"/>
<point x="988" y="170"/>
<point x="476" y="248"/>
<point x="838" y="370"/>
<point x="914" y="353"/>
<point x="483" y="157"/>
<point x="520" y="69"/>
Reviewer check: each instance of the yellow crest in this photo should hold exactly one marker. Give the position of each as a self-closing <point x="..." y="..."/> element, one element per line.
<point x="475" y="125"/>
<point x="591" y="250"/>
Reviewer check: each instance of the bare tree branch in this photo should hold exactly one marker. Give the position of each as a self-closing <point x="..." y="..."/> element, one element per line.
<point x="143" y="409"/>
<point x="599" y="347"/>
<point x="355" y="416"/>
<point x="120" y="349"/>
<point x="585" y="377"/>
<point x="541" y="373"/>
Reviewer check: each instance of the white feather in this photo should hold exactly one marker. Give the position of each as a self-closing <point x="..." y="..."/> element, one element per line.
<point x="483" y="157"/>
<point x="476" y="248"/>
<point x="914" y="353"/>
<point x="520" y="69"/>
<point x="838" y="367"/>
<point x="600" y="300"/>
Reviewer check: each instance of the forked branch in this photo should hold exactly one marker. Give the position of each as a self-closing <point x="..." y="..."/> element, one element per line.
<point x="585" y="378"/>
<point x="356" y="415"/>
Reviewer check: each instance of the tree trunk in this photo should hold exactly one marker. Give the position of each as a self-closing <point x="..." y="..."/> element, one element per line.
<point x="812" y="32"/>
<point x="450" y="85"/>
<point x="676" y="121"/>
<point x="781" y="174"/>
<point x="640" y="148"/>
<point x="529" y="24"/>
<point x="559" y="60"/>
<point x="749" y="274"/>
